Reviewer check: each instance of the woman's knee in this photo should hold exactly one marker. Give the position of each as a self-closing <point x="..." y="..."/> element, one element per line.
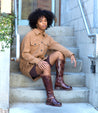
<point x="46" y="67"/>
<point x="46" y="71"/>
<point x="60" y="55"/>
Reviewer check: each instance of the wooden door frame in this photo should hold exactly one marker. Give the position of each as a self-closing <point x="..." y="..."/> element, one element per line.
<point x="25" y="22"/>
<point x="58" y="12"/>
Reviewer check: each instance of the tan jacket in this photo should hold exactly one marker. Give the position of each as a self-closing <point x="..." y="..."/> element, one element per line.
<point x="34" y="48"/>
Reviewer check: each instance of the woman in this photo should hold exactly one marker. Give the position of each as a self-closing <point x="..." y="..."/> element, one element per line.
<point x="33" y="59"/>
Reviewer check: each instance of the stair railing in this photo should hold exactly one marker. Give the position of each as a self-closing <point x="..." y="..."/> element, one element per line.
<point x="16" y="34"/>
<point x="94" y="38"/>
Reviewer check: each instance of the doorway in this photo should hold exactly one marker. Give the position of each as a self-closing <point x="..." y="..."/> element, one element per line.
<point x="27" y="6"/>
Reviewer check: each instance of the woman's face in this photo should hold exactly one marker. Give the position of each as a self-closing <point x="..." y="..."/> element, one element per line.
<point x="42" y="23"/>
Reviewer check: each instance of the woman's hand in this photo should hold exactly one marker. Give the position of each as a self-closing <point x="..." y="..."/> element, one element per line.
<point x="73" y="60"/>
<point x="42" y="65"/>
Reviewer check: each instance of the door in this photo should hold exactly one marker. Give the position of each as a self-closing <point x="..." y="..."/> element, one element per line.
<point x="27" y="6"/>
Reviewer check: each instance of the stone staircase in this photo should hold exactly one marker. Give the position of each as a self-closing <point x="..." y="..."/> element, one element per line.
<point x="24" y="90"/>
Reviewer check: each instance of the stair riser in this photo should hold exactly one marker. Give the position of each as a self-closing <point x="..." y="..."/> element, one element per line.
<point x="60" y="31"/>
<point x="75" y="51"/>
<point x="65" y="41"/>
<point x="53" y="31"/>
<point x="68" y="67"/>
<point x="24" y="81"/>
<point x="18" y="95"/>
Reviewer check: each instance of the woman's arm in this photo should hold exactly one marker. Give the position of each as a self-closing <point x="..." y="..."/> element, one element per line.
<point x="53" y="45"/>
<point x="56" y="46"/>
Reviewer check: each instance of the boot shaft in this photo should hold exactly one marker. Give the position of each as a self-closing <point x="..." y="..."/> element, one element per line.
<point x="60" y="67"/>
<point x="59" y="84"/>
<point x="48" y="85"/>
<point x="49" y="89"/>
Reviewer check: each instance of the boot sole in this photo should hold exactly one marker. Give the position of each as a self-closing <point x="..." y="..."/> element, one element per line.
<point x="54" y="105"/>
<point x="60" y="88"/>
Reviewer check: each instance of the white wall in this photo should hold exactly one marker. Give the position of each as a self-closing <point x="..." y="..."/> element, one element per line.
<point x="4" y="80"/>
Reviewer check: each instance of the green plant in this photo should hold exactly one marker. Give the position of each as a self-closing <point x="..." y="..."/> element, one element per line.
<point x="6" y="30"/>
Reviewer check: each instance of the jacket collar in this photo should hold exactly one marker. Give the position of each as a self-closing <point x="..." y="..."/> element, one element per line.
<point x="38" y="32"/>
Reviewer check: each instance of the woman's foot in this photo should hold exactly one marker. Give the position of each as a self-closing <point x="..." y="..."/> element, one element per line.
<point x="50" y="95"/>
<point x="61" y="85"/>
<point x="53" y="102"/>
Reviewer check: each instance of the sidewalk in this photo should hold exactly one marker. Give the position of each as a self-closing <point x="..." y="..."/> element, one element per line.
<point x="43" y="108"/>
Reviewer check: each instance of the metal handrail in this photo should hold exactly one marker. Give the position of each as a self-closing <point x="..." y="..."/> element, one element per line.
<point x="85" y="21"/>
<point x="95" y="39"/>
<point x="16" y="34"/>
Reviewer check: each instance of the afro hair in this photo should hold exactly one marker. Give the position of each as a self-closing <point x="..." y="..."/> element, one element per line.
<point x="38" y="13"/>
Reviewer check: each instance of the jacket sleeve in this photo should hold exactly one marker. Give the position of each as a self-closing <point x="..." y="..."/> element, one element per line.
<point x="56" y="46"/>
<point x="25" y="51"/>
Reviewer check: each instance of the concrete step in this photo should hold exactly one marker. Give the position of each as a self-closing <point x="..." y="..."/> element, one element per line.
<point x="67" y="41"/>
<point x="68" y="66"/>
<point x="73" y="79"/>
<point x="43" y="108"/>
<point x="74" y="50"/>
<point x="60" y="31"/>
<point x="52" y="31"/>
<point x="78" y="94"/>
<point x="23" y="30"/>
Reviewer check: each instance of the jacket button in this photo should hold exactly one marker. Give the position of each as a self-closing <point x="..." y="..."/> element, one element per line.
<point x="41" y="50"/>
<point x="35" y="44"/>
<point x="41" y="42"/>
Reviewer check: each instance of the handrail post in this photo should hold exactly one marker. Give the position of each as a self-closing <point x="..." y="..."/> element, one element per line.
<point x="15" y="11"/>
<point x="16" y="34"/>
<point x="96" y="47"/>
<point x="17" y="47"/>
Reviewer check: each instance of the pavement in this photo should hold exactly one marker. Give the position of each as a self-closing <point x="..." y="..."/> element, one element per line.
<point x="43" y="108"/>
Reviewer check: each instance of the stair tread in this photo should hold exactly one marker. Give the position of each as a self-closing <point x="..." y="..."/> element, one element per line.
<point x="65" y="73"/>
<point x="39" y="90"/>
<point x="30" y="94"/>
<point x="73" y="79"/>
<point x="43" y="108"/>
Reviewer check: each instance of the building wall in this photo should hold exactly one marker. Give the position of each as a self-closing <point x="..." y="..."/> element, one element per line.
<point x="71" y="16"/>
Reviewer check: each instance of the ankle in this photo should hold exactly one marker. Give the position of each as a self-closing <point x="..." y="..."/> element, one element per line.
<point x="51" y="97"/>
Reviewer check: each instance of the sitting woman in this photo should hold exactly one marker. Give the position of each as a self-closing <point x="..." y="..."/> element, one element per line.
<point x="33" y="59"/>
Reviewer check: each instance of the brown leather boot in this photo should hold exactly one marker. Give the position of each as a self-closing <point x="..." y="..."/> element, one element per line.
<point x="50" y="95"/>
<point x="59" y="84"/>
